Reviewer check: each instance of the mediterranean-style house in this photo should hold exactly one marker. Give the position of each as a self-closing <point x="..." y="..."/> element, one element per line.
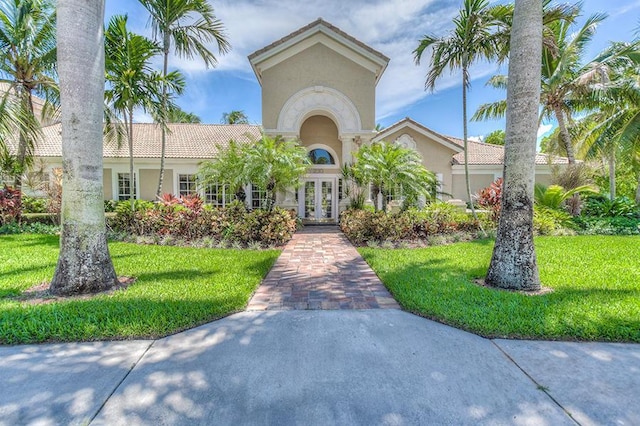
<point x="318" y="86"/>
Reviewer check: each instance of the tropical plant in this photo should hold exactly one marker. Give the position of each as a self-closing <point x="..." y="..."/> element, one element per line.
<point x="388" y="167"/>
<point x="27" y="68"/>
<point x="513" y="263"/>
<point x="227" y="168"/>
<point x="188" y="25"/>
<point x="275" y="165"/>
<point x="495" y="138"/>
<point x="84" y="264"/>
<point x="177" y="115"/>
<point x="566" y="80"/>
<point x="612" y="131"/>
<point x="555" y="196"/>
<point x="234" y="117"/>
<point x="490" y="198"/>
<point x="131" y="81"/>
<point x="472" y="39"/>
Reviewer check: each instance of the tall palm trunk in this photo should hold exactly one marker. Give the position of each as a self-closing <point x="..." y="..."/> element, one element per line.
<point x="165" y="69"/>
<point x="465" y="135"/>
<point x="84" y="265"/>
<point x="638" y="190"/>
<point x="612" y="175"/>
<point x="513" y="264"/>
<point x="27" y="100"/>
<point x="132" y="184"/>
<point x="564" y="135"/>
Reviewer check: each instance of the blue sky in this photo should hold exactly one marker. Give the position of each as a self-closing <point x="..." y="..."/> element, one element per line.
<point x="391" y="26"/>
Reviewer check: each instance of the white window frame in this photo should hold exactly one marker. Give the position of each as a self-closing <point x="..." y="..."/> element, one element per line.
<point x="191" y="180"/>
<point x="126" y="196"/>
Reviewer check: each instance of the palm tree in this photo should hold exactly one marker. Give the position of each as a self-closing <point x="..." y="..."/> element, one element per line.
<point x="513" y="263"/>
<point x="84" y="265"/>
<point x="566" y="81"/>
<point x="27" y="67"/>
<point x="275" y="165"/>
<point x="227" y="169"/>
<point x="471" y="40"/>
<point x="131" y="80"/>
<point x="388" y="167"/>
<point x="613" y="129"/>
<point x="234" y="117"/>
<point x="177" y="115"/>
<point x="189" y="25"/>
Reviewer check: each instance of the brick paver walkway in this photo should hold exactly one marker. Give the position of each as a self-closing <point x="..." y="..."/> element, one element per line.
<point x="320" y="269"/>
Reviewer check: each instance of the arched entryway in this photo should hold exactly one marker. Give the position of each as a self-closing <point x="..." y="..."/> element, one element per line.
<point x="318" y="196"/>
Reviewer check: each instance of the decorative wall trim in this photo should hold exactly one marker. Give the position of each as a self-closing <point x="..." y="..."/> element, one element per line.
<point x="319" y="100"/>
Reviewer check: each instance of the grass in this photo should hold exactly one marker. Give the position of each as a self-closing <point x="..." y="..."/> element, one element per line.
<point x="596" y="283"/>
<point x="176" y="288"/>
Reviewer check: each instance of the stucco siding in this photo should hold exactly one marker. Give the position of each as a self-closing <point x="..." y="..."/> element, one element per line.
<point x="477" y="181"/>
<point x="149" y="183"/>
<point x="107" y="182"/>
<point x="317" y="66"/>
<point x="323" y="131"/>
<point x="435" y="156"/>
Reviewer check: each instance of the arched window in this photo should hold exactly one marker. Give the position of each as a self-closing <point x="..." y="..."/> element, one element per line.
<point x="321" y="156"/>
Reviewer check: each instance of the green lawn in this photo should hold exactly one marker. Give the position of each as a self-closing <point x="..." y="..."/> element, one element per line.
<point x="176" y="288"/>
<point x="596" y="283"/>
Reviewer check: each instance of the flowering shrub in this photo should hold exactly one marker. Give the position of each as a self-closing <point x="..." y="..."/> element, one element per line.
<point x="188" y="218"/>
<point x="10" y="205"/>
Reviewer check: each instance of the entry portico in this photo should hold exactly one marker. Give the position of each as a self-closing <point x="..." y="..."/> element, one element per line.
<point x="318" y="86"/>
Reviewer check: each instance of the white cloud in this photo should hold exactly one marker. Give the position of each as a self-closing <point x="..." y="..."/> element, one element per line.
<point x="392" y="27"/>
<point x="544" y="129"/>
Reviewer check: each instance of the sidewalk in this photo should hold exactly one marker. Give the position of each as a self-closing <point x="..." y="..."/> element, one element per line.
<point x="357" y="367"/>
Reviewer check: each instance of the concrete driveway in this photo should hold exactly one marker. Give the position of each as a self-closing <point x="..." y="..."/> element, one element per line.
<point x="373" y="367"/>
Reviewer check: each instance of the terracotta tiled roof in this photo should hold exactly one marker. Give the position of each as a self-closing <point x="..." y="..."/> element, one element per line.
<point x="315" y="23"/>
<point x="183" y="141"/>
<point x="483" y="153"/>
<point x="423" y="129"/>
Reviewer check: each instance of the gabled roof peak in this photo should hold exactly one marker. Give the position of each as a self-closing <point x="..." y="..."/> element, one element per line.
<point x="266" y="57"/>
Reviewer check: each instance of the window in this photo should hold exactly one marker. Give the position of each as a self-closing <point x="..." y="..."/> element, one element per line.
<point x="321" y="157"/>
<point x="395" y="194"/>
<point x="218" y="195"/>
<point x="340" y="190"/>
<point x="187" y="184"/>
<point x="258" y="197"/>
<point x="124" y="186"/>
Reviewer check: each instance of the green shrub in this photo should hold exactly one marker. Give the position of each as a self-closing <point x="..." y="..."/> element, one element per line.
<point x="110" y="206"/>
<point x="44" y="218"/>
<point x="600" y="206"/>
<point x="589" y="225"/>
<point x="363" y="227"/>
<point x="34" y="204"/>
<point x="550" y="221"/>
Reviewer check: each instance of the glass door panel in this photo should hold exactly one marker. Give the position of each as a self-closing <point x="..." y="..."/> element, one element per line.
<point x="310" y="200"/>
<point x="326" y="199"/>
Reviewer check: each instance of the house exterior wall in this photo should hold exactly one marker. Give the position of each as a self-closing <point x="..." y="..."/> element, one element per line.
<point x="321" y="130"/>
<point x="478" y="181"/>
<point x="317" y="66"/>
<point x="435" y="157"/>
<point x="149" y="183"/>
<point x="107" y="181"/>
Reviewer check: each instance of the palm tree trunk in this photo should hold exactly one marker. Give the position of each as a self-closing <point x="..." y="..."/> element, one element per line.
<point x="513" y="264"/>
<point x="84" y="265"/>
<point x="638" y="190"/>
<point x="465" y="134"/>
<point x="132" y="183"/>
<point x="564" y="135"/>
<point x="165" y="68"/>
<point x="612" y="175"/>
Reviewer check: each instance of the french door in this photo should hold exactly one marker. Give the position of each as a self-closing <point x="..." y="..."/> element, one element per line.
<point x="318" y="200"/>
